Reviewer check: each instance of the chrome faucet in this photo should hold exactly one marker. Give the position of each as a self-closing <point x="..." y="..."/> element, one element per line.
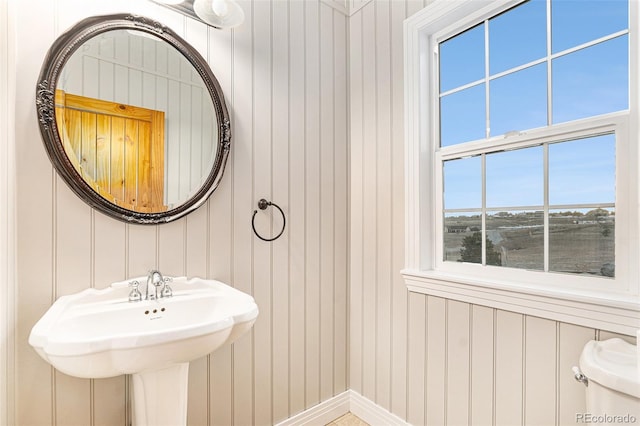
<point x="157" y="287"/>
<point x="154" y="280"/>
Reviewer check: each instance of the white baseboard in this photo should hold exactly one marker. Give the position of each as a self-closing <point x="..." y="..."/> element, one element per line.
<point x="339" y="405"/>
<point x="372" y="413"/>
<point x="321" y="414"/>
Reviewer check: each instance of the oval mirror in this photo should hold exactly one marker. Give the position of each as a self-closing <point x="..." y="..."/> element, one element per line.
<point x="132" y="118"/>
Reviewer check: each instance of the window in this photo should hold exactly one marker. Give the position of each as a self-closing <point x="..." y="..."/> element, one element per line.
<point x="522" y="134"/>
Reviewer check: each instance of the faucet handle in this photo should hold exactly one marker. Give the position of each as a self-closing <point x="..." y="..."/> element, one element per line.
<point x="134" y="295"/>
<point x="166" y="291"/>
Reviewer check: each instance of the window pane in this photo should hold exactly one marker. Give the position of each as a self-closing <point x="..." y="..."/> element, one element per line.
<point x="582" y="242"/>
<point x="462" y="116"/>
<point x="577" y="22"/>
<point x="518" y="36"/>
<point x="591" y="81"/>
<point x="517" y="239"/>
<point x="462" y="237"/>
<point x="463" y="183"/>
<point x="582" y="171"/>
<point x="515" y="178"/>
<point x="518" y="101"/>
<point x="462" y="59"/>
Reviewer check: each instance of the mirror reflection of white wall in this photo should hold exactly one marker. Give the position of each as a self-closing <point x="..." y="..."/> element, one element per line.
<point x="136" y="68"/>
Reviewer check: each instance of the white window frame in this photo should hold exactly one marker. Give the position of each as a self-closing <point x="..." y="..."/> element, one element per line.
<point x="559" y="297"/>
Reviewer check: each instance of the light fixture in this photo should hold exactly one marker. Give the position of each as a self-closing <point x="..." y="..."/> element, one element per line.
<point x="219" y="13"/>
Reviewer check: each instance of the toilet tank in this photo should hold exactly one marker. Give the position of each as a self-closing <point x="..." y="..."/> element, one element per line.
<point x="613" y="388"/>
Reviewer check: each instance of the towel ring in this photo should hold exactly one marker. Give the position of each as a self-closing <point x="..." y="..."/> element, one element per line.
<point x="262" y="205"/>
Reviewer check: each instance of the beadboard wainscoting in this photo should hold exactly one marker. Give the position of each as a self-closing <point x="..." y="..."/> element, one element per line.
<point x="429" y="360"/>
<point x="284" y="76"/>
<point x="7" y="214"/>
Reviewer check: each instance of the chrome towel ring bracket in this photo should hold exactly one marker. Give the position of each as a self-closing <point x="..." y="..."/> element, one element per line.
<point x="262" y="205"/>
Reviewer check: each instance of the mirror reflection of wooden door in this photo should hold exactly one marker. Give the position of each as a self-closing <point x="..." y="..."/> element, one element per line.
<point x="117" y="149"/>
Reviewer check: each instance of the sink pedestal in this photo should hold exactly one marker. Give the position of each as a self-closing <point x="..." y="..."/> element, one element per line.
<point x="102" y="333"/>
<point x="160" y="396"/>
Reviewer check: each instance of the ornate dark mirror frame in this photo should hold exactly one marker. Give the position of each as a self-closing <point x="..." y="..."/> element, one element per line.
<point x="57" y="57"/>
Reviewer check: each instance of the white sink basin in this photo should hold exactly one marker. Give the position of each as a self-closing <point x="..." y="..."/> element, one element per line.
<point x="100" y="333"/>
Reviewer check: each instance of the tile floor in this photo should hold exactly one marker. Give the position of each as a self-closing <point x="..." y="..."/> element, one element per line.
<point x="348" y="419"/>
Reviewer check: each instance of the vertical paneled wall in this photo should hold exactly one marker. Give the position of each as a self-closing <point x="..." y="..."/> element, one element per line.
<point x="429" y="360"/>
<point x="284" y="75"/>
<point x="7" y="213"/>
<point x="299" y="78"/>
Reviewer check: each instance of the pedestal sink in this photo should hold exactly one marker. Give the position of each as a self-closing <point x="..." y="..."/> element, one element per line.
<point x="100" y="333"/>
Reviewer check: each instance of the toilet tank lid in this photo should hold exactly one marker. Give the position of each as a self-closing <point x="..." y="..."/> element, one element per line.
<point x="612" y="363"/>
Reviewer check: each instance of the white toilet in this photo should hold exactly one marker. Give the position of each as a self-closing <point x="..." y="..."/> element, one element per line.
<point x="610" y="371"/>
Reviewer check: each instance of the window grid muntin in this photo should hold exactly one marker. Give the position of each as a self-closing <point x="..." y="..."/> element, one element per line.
<point x="550" y="56"/>
<point x="487" y="104"/>
<point x="430" y="247"/>
<point x="545" y="59"/>
<point x="552" y="138"/>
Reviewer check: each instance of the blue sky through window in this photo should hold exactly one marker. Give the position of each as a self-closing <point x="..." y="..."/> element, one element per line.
<point x="583" y="81"/>
<point x="518" y="101"/>
<point x="463" y="183"/>
<point x="582" y="171"/>
<point x="468" y="103"/>
<point x="574" y="22"/>
<point x="515" y="178"/>
<point x="525" y="27"/>
<point x="463" y="59"/>
<point x="591" y="81"/>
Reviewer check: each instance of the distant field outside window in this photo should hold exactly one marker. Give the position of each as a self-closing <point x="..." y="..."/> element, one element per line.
<point x="580" y="189"/>
<point x="501" y="196"/>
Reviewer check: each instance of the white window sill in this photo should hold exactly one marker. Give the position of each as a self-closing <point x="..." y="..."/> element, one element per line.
<point x="616" y="313"/>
